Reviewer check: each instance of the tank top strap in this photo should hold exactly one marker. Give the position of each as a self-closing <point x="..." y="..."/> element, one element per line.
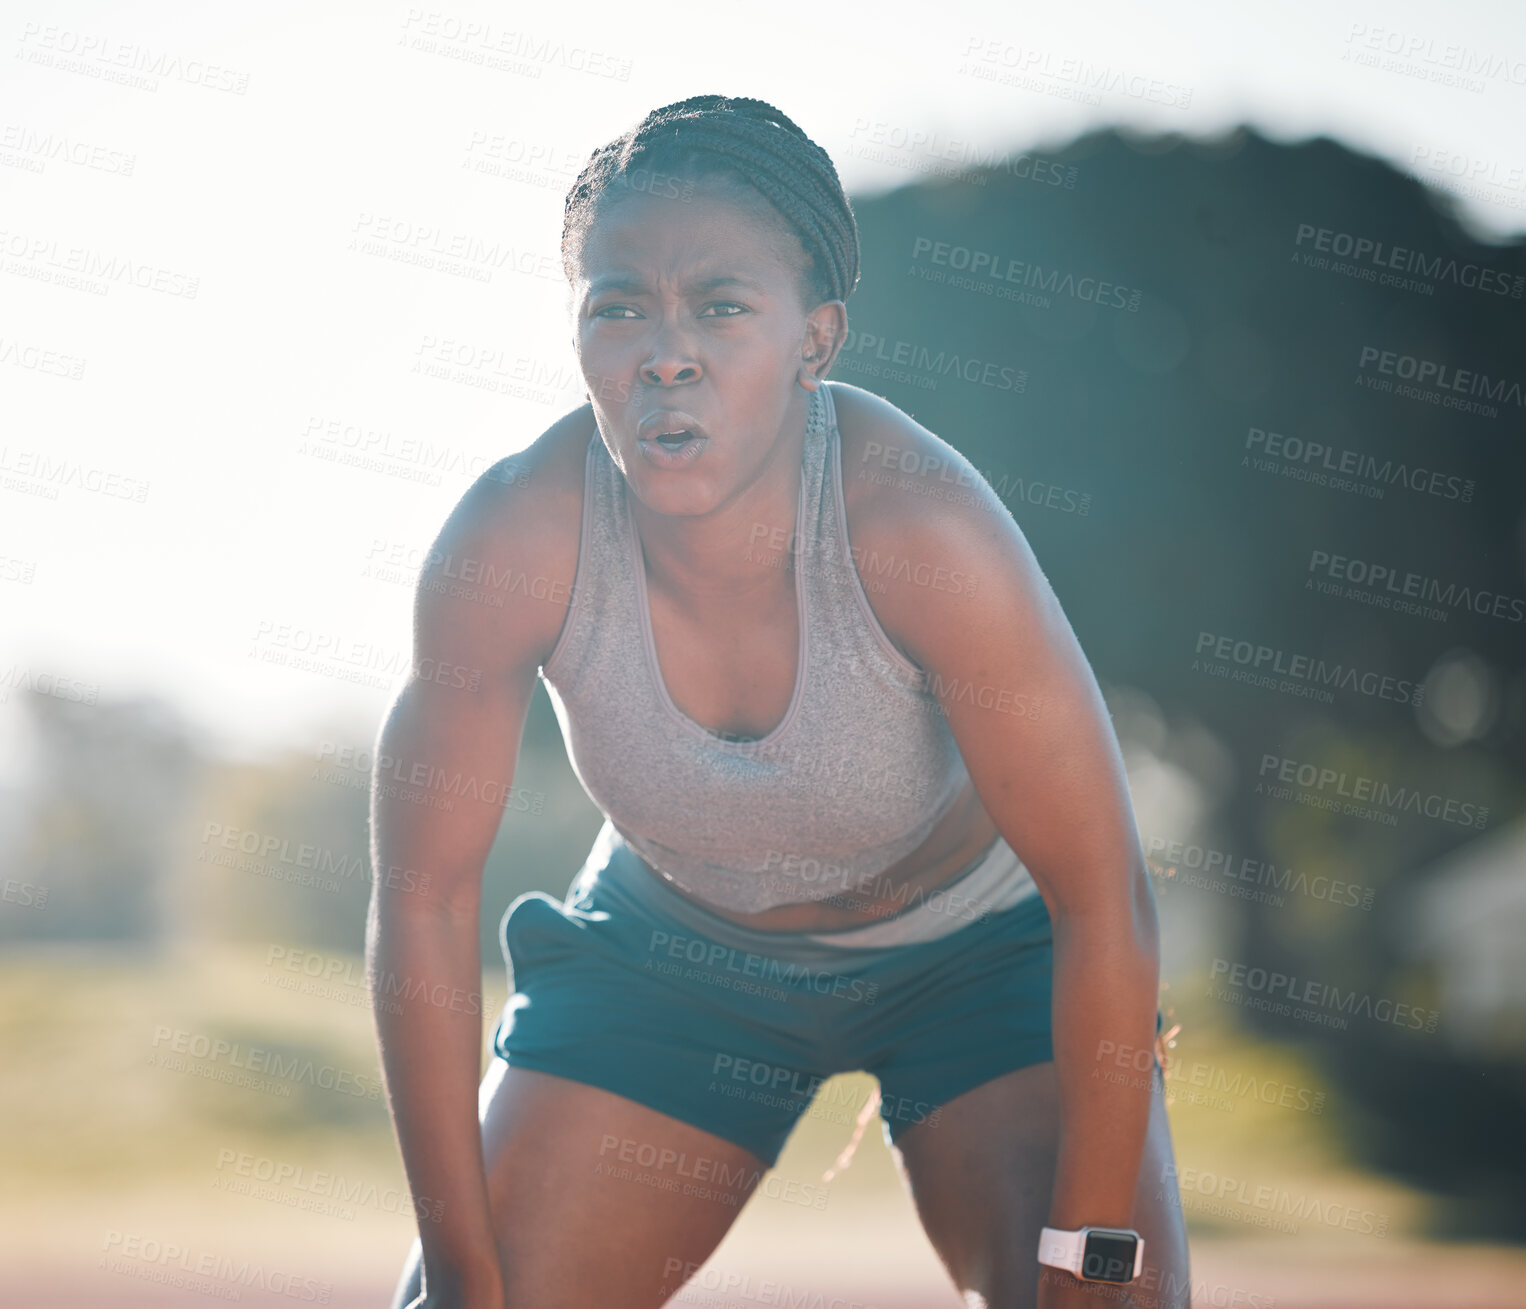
<point x="823" y="536"/>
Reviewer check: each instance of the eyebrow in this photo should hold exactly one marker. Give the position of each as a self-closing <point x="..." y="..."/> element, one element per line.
<point x="630" y="282"/>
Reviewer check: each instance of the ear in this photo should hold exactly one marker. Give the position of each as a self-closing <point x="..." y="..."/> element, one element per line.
<point x="826" y="328"/>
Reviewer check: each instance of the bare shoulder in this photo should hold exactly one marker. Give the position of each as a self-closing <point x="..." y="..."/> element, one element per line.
<point x="930" y="537"/>
<point x="497" y="582"/>
<point x="895" y="468"/>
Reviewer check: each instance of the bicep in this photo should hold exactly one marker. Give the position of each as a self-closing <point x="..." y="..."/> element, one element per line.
<point x="1027" y="713"/>
<point x="444" y="774"/>
<point x="449" y="747"/>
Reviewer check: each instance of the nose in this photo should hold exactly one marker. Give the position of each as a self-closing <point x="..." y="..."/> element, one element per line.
<point x="670" y="361"/>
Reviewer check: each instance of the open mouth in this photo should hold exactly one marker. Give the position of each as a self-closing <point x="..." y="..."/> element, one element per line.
<point x="670" y="438"/>
<point x="672" y="449"/>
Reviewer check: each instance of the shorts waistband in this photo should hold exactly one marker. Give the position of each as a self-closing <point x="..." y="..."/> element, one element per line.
<point x="994" y="881"/>
<point x="614" y="868"/>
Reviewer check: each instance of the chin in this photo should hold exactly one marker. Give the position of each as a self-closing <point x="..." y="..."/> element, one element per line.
<point x="663" y="494"/>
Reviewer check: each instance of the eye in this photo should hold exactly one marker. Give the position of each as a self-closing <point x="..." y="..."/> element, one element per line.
<point x="726" y="304"/>
<point x="615" y="311"/>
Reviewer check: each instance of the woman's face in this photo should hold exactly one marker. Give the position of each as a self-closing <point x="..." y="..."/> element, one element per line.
<point x="687" y="315"/>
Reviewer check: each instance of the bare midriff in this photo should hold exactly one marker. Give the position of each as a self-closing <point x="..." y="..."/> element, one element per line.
<point x="961" y="836"/>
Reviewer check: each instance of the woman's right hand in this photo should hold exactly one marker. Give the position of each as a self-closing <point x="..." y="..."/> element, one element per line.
<point x="443" y="1291"/>
<point x="443" y="1301"/>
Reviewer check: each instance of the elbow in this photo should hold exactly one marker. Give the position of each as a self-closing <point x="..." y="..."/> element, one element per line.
<point x="1145" y="918"/>
<point x="1123" y="922"/>
<point x="408" y="895"/>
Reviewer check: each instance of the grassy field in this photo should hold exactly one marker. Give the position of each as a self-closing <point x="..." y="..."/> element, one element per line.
<point x="127" y="1157"/>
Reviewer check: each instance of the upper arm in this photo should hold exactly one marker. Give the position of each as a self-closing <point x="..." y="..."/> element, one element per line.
<point x="495" y="585"/>
<point x="488" y="609"/>
<point x="1003" y="661"/>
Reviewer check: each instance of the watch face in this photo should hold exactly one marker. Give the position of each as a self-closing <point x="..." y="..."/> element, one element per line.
<point x="1109" y="1257"/>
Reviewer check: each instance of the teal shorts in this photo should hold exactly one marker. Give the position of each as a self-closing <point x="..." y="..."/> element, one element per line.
<point x="631" y="986"/>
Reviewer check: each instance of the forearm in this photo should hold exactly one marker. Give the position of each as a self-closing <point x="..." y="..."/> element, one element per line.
<point x="431" y="1052"/>
<point x="1106" y="980"/>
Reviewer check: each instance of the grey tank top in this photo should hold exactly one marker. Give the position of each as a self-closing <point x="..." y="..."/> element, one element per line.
<point x="851" y="779"/>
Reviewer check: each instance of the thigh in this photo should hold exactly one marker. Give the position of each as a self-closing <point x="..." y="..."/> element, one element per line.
<point x="596" y="1199"/>
<point x="981" y="1177"/>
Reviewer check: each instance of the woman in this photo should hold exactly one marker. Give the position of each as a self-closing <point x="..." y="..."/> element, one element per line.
<point x="823" y="707"/>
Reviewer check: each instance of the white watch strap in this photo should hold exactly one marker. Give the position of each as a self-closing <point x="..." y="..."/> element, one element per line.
<point x="1061" y="1249"/>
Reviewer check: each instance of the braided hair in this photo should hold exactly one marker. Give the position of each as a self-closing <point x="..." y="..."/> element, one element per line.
<point x="735" y="139"/>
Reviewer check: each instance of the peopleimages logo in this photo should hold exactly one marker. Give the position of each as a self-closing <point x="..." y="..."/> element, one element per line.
<point x="1293" y="990"/>
<point x="1071" y="77"/>
<point x="1180" y="860"/>
<point x="246" y="1172"/>
<point x="911" y="355"/>
<point x="1444" y="378"/>
<point x="44" y="476"/>
<point x="676" y="1171"/>
<point x="324" y="861"/>
<point x="1397" y="586"/>
<point x="1276" y="1201"/>
<point x="905" y="147"/>
<point x="1255" y="662"/>
<point x="991" y="266"/>
<point x="96" y="270"/>
<point x="853" y="895"/>
<point x="791" y="1086"/>
<point x="715" y="959"/>
<point x="170" y="1263"/>
<point x="1347" y="470"/>
<point x="1371" y="255"/>
<point x="1363" y="790"/>
<point x="1449" y="62"/>
<point x="172" y="1043"/>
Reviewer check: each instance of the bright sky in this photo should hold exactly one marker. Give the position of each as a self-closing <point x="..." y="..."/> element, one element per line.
<point x="176" y="512"/>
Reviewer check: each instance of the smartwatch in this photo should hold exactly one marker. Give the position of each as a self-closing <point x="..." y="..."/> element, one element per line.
<point x="1094" y="1254"/>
